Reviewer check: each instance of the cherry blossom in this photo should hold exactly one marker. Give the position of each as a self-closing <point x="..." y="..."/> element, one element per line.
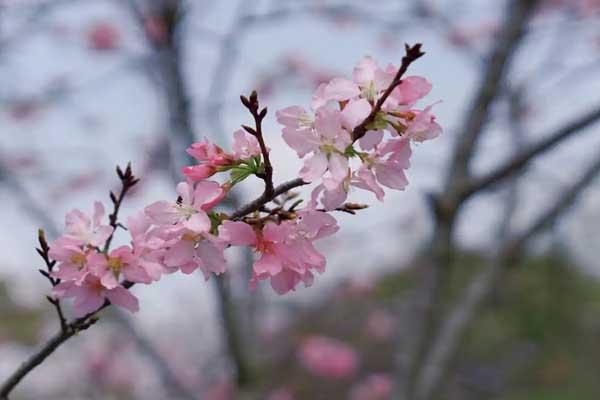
<point x="188" y="234"/>
<point x="328" y="358"/>
<point x="286" y="252"/>
<point x="86" y="230"/>
<point x="90" y="295"/>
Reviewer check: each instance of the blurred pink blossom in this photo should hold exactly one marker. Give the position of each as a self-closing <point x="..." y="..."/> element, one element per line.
<point x="381" y="324"/>
<point x="373" y="387"/>
<point x="328" y="358"/>
<point x="103" y="36"/>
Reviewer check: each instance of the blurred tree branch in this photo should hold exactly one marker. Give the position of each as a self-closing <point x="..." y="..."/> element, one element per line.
<point x="450" y="334"/>
<point x="170" y="62"/>
<point x="446" y="206"/>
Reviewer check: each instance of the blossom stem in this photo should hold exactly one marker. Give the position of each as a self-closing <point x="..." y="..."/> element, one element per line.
<point x="68" y="331"/>
<point x="412" y="54"/>
<point x="128" y="180"/>
<point x="264" y="198"/>
<point x="251" y="103"/>
<point x="43" y="251"/>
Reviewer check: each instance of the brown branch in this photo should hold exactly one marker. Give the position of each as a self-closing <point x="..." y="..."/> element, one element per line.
<point x="44" y="251"/>
<point x="446" y="343"/>
<point x="263" y="199"/>
<point x="519" y="161"/>
<point x="251" y="103"/>
<point x="72" y="328"/>
<point x="413" y="53"/>
<point x="127" y="182"/>
<point x="518" y="13"/>
<point x="558" y="208"/>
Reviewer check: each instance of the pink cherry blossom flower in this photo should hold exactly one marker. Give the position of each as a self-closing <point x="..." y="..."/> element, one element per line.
<point x="338" y="89"/>
<point x="287" y="255"/>
<point x="328" y="358"/>
<point x="381" y="325"/>
<point x="188" y="226"/>
<point x="327" y="142"/>
<point x="191" y="210"/>
<point x="148" y="243"/>
<point x="355" y="112"/>
<point x="244" y="145"/>
<point x="411" y="90"/>
<point x="71" y="257"/>
<point x="210" y="156"/>
<point x="86" y="231"/>
<point x="423" y="127"/>
<point x="90" y="295"/>
<point x="371" y="78"/>
<point x="298" y="129"/>
<point x="197" y="249"/>
<point x="103" y="36"/>
<point x="373" y="387"/>
<point x="120" y="262"/>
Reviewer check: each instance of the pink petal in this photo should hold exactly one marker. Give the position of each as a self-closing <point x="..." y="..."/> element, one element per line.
<point x="237" y="233"/>
<point x="393" y="178"/>
<point x="364" y="72"/>
<point x="370" y="140"/>
<point x="87" y="302"/>
<point x="122" y="297"/>
<point x="290" y="116"/>
<point x="98" y="213"/>
<point x="412" y="89"/>
<point x="212" y="257"/>
<point x="198" y="222"/>
<point x="268" y="264"/>
<point x="206" y="192"/>
<point x="314" y="167"/>
<point x="302" y="141"/>
<point x="355" y="112"/>
<point x="338" y="166"/>
<point x="180" y="253"/>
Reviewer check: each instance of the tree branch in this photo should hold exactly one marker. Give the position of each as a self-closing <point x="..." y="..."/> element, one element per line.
<point x="519" y="161"/>
<point x="127" y="182"/>
<point x="264" y="199"/>
<point x="456" y="324"/>
<point x="517" y="16"/>
<point x="253" y="106"/>
<point x="413" y="53"/>
<point x="48" y="348"/>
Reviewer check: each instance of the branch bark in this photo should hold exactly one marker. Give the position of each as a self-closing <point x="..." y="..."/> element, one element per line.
<point x="446" y="206"/>
<point x="453" y="329"/>
<point x="519" y="161"/>
<point x="517" y="16"/>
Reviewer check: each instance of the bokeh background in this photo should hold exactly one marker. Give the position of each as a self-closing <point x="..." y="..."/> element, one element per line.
<point x="432" y="294"/>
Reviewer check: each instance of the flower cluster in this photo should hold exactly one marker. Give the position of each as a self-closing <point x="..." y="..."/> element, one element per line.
<point x="358" y="135"/>
<point x="328" y="135"/>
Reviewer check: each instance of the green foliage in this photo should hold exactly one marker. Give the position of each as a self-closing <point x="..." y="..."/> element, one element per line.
<point x="18" y="324"/>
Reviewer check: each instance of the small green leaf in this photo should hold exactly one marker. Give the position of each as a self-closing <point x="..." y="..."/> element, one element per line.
<point x="379" y="122"/>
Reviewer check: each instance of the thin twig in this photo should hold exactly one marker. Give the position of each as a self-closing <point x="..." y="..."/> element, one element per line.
<point x="519" y="161"/>
<point x="478" y="291"/>
<point x="413" y="53"/>
<point x="44" y="251"/>
<point x="515" y="23"/>
<point x="127" y="182"/>
<point x="263" y="199"/>
<point x="251" y="103"/>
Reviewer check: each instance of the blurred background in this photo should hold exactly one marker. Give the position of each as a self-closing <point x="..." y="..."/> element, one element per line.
<point x="480" y="281"/>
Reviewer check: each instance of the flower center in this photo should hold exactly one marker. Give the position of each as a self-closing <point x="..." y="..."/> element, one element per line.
<point x="78" y="259"/>
<point x="192" y="237"/>
<point x="115" y="264"/>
